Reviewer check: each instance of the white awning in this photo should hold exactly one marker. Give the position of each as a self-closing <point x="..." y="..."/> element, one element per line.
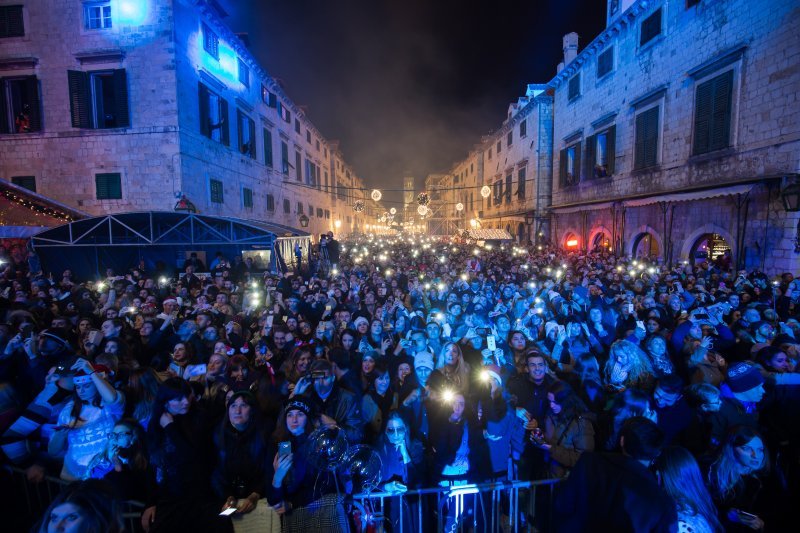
<point x="691" y="196"/>
<point x="490" y="235"/>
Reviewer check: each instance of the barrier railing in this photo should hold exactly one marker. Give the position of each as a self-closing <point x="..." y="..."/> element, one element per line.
<point x="508" y="506"/>
<point x="37" y="496"/>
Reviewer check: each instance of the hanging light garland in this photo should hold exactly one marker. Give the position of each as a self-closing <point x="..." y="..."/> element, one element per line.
<point x="486" y="191"/>
<point x="459" y="207"/>
<point x="393" y="211"/>
<point x="36" y="208"/>
<point x="423" y="198"/>
<point x="376" y="195"/>
<point x="358" y="207"/>
<point x="422" y="210"/>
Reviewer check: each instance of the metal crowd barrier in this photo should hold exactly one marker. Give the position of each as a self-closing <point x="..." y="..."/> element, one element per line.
<point x="504" y="506"/>
<point x="37" y="496"/>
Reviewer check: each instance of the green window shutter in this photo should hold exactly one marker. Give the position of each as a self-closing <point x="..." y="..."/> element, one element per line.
<point x="562" y="171"/>
<point x="109" y="186"/>
<point x="32" y="92"/>
<point x="721" y="112"/>
<point x="268" y="148"/>
<point x="651" y="28"/>
<point x="121" y="109"/>
<point x="26" y="182"/>
<point x="205" y="127"/>
<point x="4" y="125"/>
<point x="247" y="197"/>
<point x="252" y="125"/>
<point x="702" y="117"/>
<point x="225" y="133"/>
<point x="522" y="185"/>
<point x="646" y="148"/>
<point x="80" y="102"/>
<point x="11" y="21"/>
<point x="217" y="194"/>
<point x="611" y="147"/>
<point x="591" y="150"/>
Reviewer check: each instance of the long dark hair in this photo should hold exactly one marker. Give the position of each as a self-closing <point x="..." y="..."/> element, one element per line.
<point x="101" y="512"/>
<point x="571" y="404"/>
<point x="171" y="389"/>
<point x="680" y="477"/>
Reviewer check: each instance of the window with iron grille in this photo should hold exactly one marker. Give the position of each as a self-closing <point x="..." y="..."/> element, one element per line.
<point x="108" y="186"/>
<point x="216" y="192"/>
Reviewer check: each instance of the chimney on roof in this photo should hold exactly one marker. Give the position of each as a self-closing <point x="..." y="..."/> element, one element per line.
<point x="570" y="47"/>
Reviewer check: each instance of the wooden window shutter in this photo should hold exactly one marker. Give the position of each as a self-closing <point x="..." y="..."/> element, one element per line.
<point x="121" y="109"/>
<point x="611" y="147"/>
<point x="591" y="148"/>
<point x="225" y="134"/>
<point x="32" y="93"/>
<point x="252" y="126"/>
<point x="80" y="102"/>
<point x="721" y="112"/>
<point x="562" y="171"/>
<point x="702" y="117"/>
<point x="273" y="100"/>
<point x="205" y="126"/>
<point x="651" y="141"/>
<point x="577" y="177"/>
<point x="4" y="125"/>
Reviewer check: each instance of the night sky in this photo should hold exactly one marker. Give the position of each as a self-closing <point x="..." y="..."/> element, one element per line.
<point x="410" y="85"/>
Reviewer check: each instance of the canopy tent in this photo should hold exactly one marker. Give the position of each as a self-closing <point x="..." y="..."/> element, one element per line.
<point x="489" y="235"/>
<point x="90" y="246"/>
<point x="24" y="212"/>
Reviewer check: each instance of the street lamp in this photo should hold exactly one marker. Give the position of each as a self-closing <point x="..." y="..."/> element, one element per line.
<point x="790" y="196"/>
<point x="529" y="219"/>
<point x="303" y="221"/>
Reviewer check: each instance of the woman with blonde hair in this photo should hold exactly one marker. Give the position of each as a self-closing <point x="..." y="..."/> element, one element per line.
<point x="454" y="373"/>
<point x="628" y="367"/>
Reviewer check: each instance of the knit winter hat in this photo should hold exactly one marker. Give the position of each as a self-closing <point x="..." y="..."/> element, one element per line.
<point x="298" y="404"/>
<point x="743" y="377"/>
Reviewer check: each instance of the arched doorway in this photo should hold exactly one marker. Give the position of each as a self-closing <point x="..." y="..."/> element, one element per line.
<point x="521" y="237"/>
<point x="571" y="242"/>
<point x="601" y="242"/>
<point x="710" y="247"/>
<point x="645" y="245"/>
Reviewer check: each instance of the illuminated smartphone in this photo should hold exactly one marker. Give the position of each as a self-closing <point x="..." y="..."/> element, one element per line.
<point x="228" y="511"/>
<point x="270" y="319"/>
<point x="284" y="448"/>
<point x="491" y="343"/>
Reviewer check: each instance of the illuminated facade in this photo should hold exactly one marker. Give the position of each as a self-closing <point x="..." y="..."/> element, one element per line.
<point x="676" y="131"/>
<point x="128" y="105"/>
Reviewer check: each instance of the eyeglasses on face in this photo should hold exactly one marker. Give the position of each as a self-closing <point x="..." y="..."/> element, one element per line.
<point x="395" y="429"/>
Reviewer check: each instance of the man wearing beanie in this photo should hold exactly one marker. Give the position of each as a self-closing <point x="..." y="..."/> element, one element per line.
<point x="414" y="407"/>
<point x="741" y="392"/>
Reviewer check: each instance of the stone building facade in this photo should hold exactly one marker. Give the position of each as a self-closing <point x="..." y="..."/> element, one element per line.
<point x="676" y="131"/>
<point x="127" y="105"/>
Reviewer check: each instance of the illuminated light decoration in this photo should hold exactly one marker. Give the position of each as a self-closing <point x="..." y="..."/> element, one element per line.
<point x="423" y="198"/>
<point x="448" y="396"/>
<point x="358" y="207"/>
<point x="337" y="224"/>
<point x="459" y="206"/>
<point x="486" y="191"/>
<point x="422" y="210"/>
<point x="572" y="242"/>
<point x="376" y="195"/>
<point x="464" y="277"/>
<point x="131" y="13"/>
<point x="393" y="211"/>
<point x="36" y="208"/>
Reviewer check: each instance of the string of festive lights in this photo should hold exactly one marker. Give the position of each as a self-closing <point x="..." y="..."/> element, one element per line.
<point x="36" y="208"/>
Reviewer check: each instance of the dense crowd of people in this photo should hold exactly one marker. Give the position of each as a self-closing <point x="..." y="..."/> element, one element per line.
<point x="667" y="395"/>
